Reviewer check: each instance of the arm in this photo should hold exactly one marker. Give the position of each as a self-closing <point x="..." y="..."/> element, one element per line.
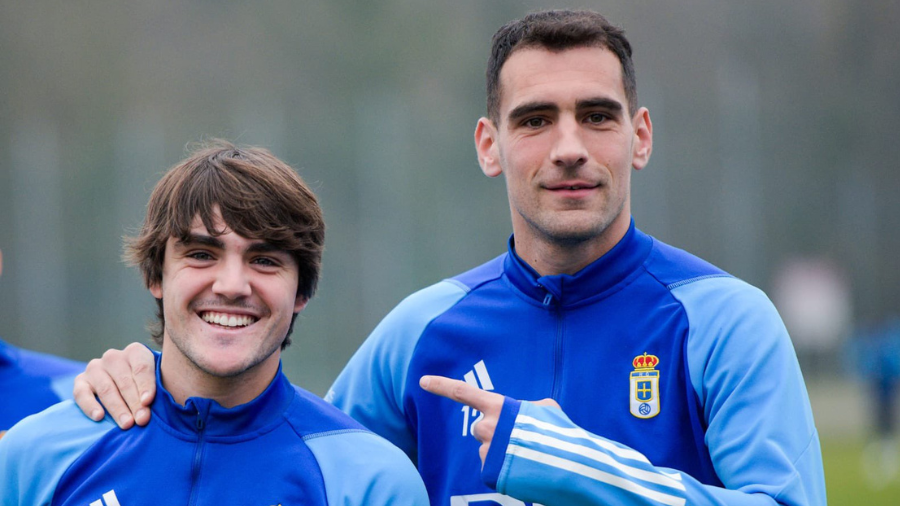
<point x="760" y="429"/>
<point x="532" y="451"/>
<point x="123" y="381"/>
<point x="545" y="458"/>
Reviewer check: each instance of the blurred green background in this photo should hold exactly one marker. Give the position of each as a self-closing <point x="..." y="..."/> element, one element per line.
<point x="775" y="157"/>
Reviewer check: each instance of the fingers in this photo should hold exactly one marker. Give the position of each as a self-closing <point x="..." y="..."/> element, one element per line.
<point x="143" y="368"/>
<point x="118" y="367"/>
<point x="483" y="429"/>
<point x="460" y="391"/>
<point x="84" y="398"/>
<point x="96" y="381"/>
<point x="111" y="379"/>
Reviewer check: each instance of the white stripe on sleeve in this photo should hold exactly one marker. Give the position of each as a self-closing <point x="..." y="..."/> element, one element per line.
<point x="595" y="474"/>
<point x="598" y="456"/>
<point x="579" y="433"/>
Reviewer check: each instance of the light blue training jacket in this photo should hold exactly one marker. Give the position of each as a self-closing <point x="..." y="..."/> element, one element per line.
<point x="286" y="447"/>
<point x="678" y="385"/>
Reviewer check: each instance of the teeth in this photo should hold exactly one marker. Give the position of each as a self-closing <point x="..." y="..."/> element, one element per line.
<point x="227" y="320"/>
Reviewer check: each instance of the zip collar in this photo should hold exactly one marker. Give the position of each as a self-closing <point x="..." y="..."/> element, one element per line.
<point x="598" y="277"/>
<point x="214" y="419"/>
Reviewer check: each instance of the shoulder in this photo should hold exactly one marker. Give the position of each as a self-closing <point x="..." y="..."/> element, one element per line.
<point x="43" y="372"/>
<point x="36" y="452"/>
<point x="413" y="314"/>
<point x="735" y="337"/>
<point x="673" y="267"/>
<point x="360" y="467"/>
<point x="59" y="428"/>
<point x="394" y="338"/>
<point x="721" y="309"/>
<point x="43" y="364"/>
<point x="311" y="416"/>
<point x="484" y="273"/>
<point x="415" y="311"/>
<point x="710" y="296"/>
<point x="35" y="366"/>
<point x="722" y="305"/>
<point x="731" y="323"/>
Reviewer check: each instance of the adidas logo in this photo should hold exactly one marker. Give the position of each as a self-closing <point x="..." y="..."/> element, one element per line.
<point x="478" y="377"/>
<point x="109" y="499"/>
<point x="483" y="380"/>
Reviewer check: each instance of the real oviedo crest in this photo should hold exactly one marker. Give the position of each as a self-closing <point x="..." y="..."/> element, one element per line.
<point x="645" y="386"/>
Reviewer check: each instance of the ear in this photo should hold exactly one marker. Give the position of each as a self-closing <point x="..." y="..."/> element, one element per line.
<point x="487" y="148"/>
<point x="643" y="139"/>
<point x="300" y="303"/>
<point x="156" y="289"/>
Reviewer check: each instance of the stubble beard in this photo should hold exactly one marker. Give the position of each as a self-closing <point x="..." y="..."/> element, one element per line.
<point x="554" y="228"/>
<point x="194" y="357"/>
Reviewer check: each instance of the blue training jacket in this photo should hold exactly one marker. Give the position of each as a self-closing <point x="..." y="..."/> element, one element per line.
<point x="286" y="447"/>
<point x="678" y="385"/>
<point x="31" y="382"/>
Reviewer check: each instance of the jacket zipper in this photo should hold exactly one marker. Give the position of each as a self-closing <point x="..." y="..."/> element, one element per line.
<point x="198" y="457"/>
<point x="557" y="350"/>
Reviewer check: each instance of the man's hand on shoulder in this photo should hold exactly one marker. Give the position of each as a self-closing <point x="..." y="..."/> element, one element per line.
<point x="123" y="381"/>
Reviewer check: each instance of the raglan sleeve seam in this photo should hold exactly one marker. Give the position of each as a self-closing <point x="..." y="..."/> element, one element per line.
<point x="795" y="475"/>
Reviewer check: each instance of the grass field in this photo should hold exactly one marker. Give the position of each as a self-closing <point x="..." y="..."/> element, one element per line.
<point x="847" y="482"/>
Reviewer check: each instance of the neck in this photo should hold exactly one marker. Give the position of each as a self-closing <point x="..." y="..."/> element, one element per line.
<point x="184" y="379"/>
<point x="549" y="257"/>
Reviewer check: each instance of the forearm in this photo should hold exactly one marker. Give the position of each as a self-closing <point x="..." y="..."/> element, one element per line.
<point x="539" y="455"/>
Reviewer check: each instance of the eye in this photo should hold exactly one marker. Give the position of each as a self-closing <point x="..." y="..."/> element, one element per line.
<point x="596" y="118"/>
<point x="534" y="122"/>
<point x="199" y="255"/>
<point x="266" y="262"/>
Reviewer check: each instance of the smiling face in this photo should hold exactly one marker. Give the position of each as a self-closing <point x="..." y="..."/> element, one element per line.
<point x="228" y="303"/>
<point x="566" y="146"/>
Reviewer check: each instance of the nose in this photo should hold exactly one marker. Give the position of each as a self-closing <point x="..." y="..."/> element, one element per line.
<point x="232" y="279"/>
<point x="569" y="149"/>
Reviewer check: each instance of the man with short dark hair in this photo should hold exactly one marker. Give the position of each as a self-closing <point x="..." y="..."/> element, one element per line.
<point x="230" y="248"/>
<point x="665" y="380"/>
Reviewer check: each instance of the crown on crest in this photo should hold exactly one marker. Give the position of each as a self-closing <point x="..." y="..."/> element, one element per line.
<point x="645" y="361"/>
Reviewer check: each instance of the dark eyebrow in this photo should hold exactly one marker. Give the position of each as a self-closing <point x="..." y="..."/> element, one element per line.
<point x="265" y="247"/>
<point x="612" y="106"/>
<point x="531" y="108"/>
<point x="201" y="240"/>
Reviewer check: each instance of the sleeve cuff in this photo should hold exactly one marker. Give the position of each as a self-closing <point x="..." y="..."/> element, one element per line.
<point x="496" y="456"/>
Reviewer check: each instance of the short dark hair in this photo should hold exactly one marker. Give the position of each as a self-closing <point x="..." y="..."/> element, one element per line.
<point x="258" y="196"/>
<point x="558" y="30"/>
